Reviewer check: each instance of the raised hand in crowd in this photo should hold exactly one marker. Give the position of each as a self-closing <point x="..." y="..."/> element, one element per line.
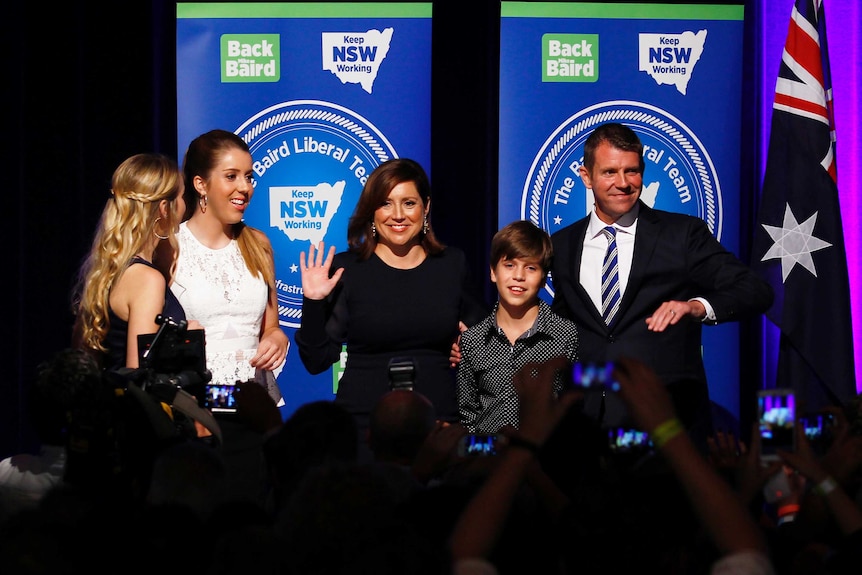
<point x="843" y="457"/>
<point x="843" y="508"/>
<point x="726" y="520"/>
<point x="438" y="452"/>
<point x="255" y="407"/>
<point x="741" y="464"/>
<point x="482" y="521"/>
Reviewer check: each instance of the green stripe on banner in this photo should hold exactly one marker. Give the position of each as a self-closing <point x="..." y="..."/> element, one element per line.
<point x="305" y="10"/>
<point x="627" y="11"/>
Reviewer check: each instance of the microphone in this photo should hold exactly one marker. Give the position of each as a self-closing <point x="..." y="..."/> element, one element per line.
<point x="180" y="326"/>
<point x="164" y="322"/>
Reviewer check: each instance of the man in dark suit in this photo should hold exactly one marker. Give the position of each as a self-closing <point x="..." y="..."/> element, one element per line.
<point x="674" y="276"/>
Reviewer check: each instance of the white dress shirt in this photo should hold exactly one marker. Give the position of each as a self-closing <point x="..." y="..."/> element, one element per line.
<point x="595" y="246"/>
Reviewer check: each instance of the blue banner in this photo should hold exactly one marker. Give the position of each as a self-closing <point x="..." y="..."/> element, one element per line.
<point x="322" y="93"/>
<point x="673" y="73"/>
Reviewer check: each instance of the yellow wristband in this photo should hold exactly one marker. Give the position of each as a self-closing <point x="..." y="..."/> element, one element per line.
<point x="666" y="431"/>
<point x="825" y="487"/>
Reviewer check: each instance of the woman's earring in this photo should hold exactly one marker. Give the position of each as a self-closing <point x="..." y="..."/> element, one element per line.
<point x="425" y="224"/>
<point x="373" y="230"/>
<point x="202" y="202"/>
<point x="155" y="233"/>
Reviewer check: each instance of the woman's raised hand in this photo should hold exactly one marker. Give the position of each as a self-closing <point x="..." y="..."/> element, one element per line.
<point x="316" y="283"/>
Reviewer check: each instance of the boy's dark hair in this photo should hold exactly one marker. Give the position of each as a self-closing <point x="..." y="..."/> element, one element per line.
<point x="523" y="239"/>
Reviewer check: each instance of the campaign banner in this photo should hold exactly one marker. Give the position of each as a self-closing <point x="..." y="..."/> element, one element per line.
<point x="323" y="93"/>
<point x="673" y="73"/>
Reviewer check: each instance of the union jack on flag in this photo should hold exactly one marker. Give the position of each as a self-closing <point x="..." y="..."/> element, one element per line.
<point x="799" y="242"/>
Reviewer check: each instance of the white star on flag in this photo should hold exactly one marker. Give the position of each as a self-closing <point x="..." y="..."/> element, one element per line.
<point x="794" y="243"/>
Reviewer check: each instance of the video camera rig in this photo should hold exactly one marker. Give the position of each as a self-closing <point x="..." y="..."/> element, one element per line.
<point x="173" y="372"/>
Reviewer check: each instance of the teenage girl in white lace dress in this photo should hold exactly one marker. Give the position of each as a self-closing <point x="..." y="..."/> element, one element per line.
<point x="225" y="272"/>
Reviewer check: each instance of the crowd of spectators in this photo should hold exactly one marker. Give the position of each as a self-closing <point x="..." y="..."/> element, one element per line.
<point x="552" y="499"/>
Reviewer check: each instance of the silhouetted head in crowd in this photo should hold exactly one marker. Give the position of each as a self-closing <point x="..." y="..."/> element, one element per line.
<point x="317" y="433"/>
<point x="59" y="381"/>
<point x="399" y="424"/>
<point x="346" y="518"/>
<point x="189" y="473"/>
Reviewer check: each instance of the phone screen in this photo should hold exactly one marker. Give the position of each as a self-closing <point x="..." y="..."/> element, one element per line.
<point x="477" y="444"/>
<point x="593" y="376"/>
<point x="818" y="430"/>
<point x="219" y="398"/>
<point x="626" y="440"/>
<point x="776" y="410"/>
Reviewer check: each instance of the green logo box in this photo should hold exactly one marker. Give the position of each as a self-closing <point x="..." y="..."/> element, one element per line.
<point x="250" y="58"/>
<point x="570" y="57"/>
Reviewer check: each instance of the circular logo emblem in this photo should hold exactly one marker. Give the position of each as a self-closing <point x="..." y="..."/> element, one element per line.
<point x="311" y="160"/>
<point x="678" y="176"/>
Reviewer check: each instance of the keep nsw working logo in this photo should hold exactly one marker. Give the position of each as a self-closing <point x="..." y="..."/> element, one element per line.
<point x="310" y="159"/>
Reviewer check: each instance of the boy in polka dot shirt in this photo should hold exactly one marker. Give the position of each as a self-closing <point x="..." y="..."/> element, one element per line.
<point x="520" y="329"/>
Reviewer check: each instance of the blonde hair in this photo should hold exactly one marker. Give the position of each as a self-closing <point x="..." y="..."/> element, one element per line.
<point x="130" y="215"/>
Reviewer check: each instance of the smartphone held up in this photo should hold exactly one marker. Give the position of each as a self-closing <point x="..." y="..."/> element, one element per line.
<point x="591" y="376"/>
<point x="776" y="413"/>
<point x="477" y="444"/>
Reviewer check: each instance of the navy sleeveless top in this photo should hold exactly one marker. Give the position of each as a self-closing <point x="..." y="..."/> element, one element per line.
<point x="118" y="332"/>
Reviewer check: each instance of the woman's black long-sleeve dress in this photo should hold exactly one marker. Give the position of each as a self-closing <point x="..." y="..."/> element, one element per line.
<point x="381" y="312"/>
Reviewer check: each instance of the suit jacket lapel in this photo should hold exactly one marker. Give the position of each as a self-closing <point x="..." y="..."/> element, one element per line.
<point x="579" y="232"/>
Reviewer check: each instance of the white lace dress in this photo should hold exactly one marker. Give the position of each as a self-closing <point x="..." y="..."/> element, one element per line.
<point x="216" y="289"/>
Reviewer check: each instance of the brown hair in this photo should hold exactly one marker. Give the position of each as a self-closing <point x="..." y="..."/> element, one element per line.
<point x="381" y="181"/>
<point x="618" y="136"/>
<point x="523" y="239"/>
<point x="200" y="160"/>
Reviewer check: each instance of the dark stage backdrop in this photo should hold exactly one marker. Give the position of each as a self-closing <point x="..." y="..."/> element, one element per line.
<point x="87" y="87"/>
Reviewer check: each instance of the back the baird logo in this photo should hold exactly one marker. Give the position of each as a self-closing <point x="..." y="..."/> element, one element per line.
<point x="250" y="58"/>
<point x="570" y="58"/>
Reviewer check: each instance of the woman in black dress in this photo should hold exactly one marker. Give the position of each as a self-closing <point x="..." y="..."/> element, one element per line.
<point x="396" y="292"/>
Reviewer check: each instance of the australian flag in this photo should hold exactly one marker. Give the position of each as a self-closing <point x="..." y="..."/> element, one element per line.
<point x="799" y="241"/>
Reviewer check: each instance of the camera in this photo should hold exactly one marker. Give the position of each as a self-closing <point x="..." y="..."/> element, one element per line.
<point x="166" y="391"/>
<point x="173" y="358"/>
<point x="174" y="348"/>
<point x="591" y="376"/>
<point x="402" y="373"/>
<point x="477" y="444"/>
